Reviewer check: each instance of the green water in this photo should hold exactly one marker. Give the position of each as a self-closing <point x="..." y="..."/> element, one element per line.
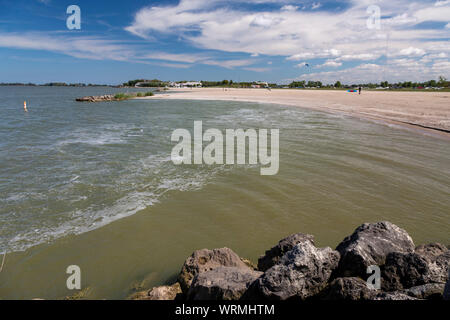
<point x="93" y="185"/>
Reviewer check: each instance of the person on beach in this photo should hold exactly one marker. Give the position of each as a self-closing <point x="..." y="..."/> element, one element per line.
<point x="359" y="89"/>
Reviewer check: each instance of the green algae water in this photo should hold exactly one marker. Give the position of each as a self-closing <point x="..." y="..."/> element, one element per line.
<point x="93" y="185"/>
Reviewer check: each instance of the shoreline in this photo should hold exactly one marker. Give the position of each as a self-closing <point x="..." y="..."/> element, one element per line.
<point x="296" y="269"/>
<point x="404" y="109"/>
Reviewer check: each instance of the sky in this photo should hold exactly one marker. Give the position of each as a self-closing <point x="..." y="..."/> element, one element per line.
<point x="353" y="41"/>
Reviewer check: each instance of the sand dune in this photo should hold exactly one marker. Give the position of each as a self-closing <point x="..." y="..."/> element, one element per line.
<point x="414" y="109"/>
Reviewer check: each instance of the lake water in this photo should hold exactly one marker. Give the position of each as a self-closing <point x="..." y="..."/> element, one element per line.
<point x="93" y="185"/>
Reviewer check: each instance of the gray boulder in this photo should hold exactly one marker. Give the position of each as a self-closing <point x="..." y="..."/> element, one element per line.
<point x="369" y="245"/>
<point x="393" y="296"/>
<point x="407" y="270"/>
<point x="404" y="270"/>
<point x="439" y="268"/>
<point x="427" y="291"/>
<point x="351" y="288"/>
<point x="447" y="289"/>
<point x="206" y="260"/>
<point x="222" y="283"/>
<point x="301" y="273"/>
<point x="274" y="255"/>
<point x="431" y="251"/>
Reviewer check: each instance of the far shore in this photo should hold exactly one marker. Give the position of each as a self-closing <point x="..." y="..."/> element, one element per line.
<point x="429" y="112"/>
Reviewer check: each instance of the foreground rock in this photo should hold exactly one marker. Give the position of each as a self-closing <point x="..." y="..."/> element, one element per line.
<point x="301" y="273"/>
<point x="159" y="293"/>
<point x="295" y="269"/>
<point x="351" y="288"/>
<point x="222" y="283"/>
<point x="369" y="245"/>
<point x="447" y="289"/>
<point x="206" y="260"/>
<point x="393" y="296"/>
<point x="404" y="270"/>
<point x="431" y="251"/>
<point x="274" y="255"/>
<point x="432" y="291"/>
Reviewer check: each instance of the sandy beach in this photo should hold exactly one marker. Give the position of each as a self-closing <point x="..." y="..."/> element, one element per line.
<point x="427" y="111"/>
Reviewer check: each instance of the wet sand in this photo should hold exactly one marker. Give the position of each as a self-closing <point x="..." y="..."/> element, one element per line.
<point x="427" y="111"/>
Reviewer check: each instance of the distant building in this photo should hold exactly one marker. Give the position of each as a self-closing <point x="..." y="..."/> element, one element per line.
<point x="190" y="84"/>
<point x="260" y="84"/>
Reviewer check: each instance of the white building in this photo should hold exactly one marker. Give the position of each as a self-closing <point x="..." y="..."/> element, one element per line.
<point x="191" y="84"/>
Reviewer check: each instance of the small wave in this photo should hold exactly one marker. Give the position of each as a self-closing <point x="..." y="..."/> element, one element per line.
<point x="142" y="183"/>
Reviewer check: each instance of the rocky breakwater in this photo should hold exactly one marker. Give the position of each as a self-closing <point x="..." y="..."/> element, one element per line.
<point x="116" y="97"/>
<point x="295" y="269"/>
<point x="106" y="97"/>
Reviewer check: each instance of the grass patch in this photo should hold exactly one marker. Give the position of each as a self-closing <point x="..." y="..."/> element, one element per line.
<point x="125" y="96"/>
<point x="122" y="96"/>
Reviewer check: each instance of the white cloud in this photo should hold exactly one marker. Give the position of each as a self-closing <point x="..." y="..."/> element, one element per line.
<point x="313" y="55"/>
<point x="395" y="70"/>
<point x="229" y="63"/>
<point x="189" y="58"/>
<point x="257" y="69"/>
<point x="412" y="52"/>
<point x="361" y="56"/>
<point x="79" y="47"/>
<point x="331" y="63"/>
<point x="441" y="3"/>
<point x="265" y="21"/>
<point x="302" y="64"/>
<point x="289" y="8"/>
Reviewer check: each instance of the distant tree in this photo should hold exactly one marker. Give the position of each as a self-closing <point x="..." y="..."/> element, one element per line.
<point x="337" y="84"/>
<point x="297" y="84"/>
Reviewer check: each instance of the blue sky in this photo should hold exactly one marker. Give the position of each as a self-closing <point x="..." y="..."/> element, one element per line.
<point x="215" y="39"/>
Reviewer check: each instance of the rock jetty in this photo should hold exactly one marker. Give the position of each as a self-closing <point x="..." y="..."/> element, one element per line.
<point x="106" y="97"/>
<point x="115" y="97"/>
<point x="295" y="269"/>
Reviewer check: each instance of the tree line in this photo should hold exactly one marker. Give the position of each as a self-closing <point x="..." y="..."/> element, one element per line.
<point x="442" y="82"/>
